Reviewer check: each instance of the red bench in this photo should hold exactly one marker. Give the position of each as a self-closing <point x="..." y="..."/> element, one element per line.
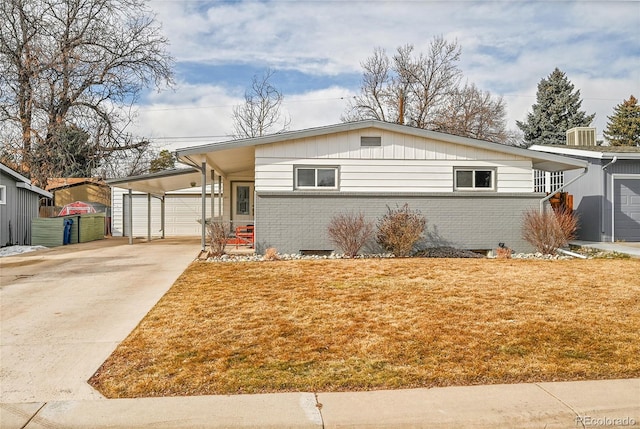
<point x="244" y="235"/>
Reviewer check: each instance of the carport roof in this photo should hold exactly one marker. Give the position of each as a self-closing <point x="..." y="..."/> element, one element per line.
<point x="161" y="182"/>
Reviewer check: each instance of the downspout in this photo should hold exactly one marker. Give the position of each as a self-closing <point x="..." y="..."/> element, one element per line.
<point x="604" y="199"/>
<point x="561" y="188"/>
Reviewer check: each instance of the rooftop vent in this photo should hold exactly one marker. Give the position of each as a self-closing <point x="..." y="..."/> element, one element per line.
<point x="581" y="136"/>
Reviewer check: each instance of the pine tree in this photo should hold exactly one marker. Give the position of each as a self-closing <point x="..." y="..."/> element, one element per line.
<point x="557" y="110"/>
<point x="164" y="161"/>
<point x="623" y="128"/>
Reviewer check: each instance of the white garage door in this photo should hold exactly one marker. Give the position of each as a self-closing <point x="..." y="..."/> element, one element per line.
<point x="181" y="215"/>
<point x="140" y="216"/>
<point x="627" y="209"/>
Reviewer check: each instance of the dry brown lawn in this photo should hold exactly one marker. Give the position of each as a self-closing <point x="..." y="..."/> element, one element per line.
<point x="226" y="328"/>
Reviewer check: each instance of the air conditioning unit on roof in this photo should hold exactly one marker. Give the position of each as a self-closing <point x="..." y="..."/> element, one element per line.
<point x="581" y="136"/>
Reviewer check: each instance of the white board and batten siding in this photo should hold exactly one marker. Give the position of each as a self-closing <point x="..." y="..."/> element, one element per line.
<point x="182" y="211"/>
<point x="402" y="163"/>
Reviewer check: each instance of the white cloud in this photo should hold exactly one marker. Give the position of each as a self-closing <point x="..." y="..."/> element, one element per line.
<point x="199" y="114"/>
<point x="507" y="48"/>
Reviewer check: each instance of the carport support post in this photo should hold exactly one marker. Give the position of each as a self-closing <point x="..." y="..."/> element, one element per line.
<point x="148" y="218"/>
<point x="162" y="214"/>
<point x="212" y="195"/>
<point x="130" y="216"/>
<point x="204" y="204"/>
<point x="220" y="196"/>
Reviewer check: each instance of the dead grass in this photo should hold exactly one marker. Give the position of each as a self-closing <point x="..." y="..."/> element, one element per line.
<point x="230" y="328"/>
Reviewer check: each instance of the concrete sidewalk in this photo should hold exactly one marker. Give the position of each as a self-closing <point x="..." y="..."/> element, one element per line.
<point x="611" y="403"/>
<point x="631" y="249"/>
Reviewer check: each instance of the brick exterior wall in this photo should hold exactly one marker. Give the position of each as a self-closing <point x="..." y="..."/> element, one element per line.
<point x="295" y="221"/>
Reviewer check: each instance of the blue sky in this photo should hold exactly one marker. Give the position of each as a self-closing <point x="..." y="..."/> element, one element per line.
<point x="316" y="47"/>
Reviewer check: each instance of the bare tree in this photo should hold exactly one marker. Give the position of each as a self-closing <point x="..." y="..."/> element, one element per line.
<point x="76" y="63"/>
<point x="423" y="90"/>
<point x="260" y="114"/>
<point x="474" y="113"/>
<point x="408" y="88"/>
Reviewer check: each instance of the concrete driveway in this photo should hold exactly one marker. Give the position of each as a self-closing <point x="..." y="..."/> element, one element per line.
<point x="65" y="310"/>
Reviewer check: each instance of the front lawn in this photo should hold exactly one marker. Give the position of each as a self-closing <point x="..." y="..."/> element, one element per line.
<point x="335" y="325"/>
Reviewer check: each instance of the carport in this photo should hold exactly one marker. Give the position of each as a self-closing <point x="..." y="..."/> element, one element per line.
<point x="157" y="185"/>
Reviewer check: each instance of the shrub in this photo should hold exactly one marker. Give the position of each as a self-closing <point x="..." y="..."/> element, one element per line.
<point x="217" y="234"/>
<point x="503" y="253"/>
<point x="271" y="254"/>
<point x="350" y="231"/>
<point x="550" y="230"/>
<point x="400" y="229"/>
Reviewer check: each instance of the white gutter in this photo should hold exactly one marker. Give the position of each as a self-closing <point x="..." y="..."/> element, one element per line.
<point x="613" y="161"/>
<point x="561" y="188"/>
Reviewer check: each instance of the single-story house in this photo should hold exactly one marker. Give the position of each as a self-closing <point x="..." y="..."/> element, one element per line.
<point x="607" y="198"/>
<point x="164" y="203"/>
<point x="19" y="203"/>
<point x="289" y="185"/>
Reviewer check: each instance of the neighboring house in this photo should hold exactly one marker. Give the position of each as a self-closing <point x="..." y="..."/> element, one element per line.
<point x="179" y="209"/>
<point x="19" y="203"/>
<point x="607" y="197"/>
<point x="289" y="185"/>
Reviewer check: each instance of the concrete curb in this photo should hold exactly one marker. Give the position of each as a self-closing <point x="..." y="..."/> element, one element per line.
<point x="606" y="403"/>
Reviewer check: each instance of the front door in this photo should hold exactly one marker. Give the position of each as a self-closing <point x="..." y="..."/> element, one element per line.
<point x="242" y="204"/>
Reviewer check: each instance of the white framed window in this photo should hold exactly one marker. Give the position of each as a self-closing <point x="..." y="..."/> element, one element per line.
<point x="307" y="177"/>
<point x="474" y="179"/>
<point x="3" y="194"/>
<point x="545" y="181"/>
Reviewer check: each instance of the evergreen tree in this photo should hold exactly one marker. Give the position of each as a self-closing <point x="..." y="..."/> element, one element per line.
<point x="623" y="128"/>
<point x="164" y="161"/>
<point x="68" y="154"/>
<point x="557" y="110"/>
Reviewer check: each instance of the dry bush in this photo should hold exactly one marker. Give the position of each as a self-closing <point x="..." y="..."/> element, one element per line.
<point x="217" y="234"/>
<point x="350" y="231"/>
<point x="503" y="253"/>
<point x="271" y="254"/>
<point x="400" y="229"/>
<point x="550" y="230"/>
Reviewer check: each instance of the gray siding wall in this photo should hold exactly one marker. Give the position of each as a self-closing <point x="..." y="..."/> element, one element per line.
<point x="587" y="200"/>
<point x="592" y="191"/>
<point x="296" y="221"/>
<point x="21" y="206"/>
<point x="7" y="213"/>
